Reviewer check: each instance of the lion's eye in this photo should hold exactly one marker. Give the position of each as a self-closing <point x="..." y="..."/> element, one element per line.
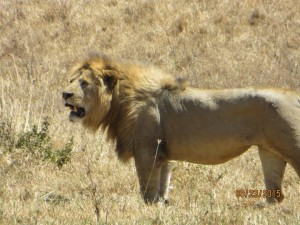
<point x="83" y="83"/>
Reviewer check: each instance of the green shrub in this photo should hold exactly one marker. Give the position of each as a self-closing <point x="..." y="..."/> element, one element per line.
<point x="38" y="144"/>
<point x="63" y="156"/>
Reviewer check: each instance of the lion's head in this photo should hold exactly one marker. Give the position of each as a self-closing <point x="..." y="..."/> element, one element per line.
<point x="89" y="93"/>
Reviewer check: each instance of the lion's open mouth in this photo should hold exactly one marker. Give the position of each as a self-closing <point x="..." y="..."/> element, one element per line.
<point x="76" y="111"/>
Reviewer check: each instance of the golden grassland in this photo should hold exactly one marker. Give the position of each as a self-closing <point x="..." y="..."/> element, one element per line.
<point x="215" y="44"/>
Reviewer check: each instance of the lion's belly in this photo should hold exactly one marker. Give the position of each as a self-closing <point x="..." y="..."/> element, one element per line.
<point x="210" y="139"/>
<point x="212" y="143"/>
<point x="205" y="153"/>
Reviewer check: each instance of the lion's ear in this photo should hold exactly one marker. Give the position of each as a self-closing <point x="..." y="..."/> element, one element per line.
<point x="110" y="79"/>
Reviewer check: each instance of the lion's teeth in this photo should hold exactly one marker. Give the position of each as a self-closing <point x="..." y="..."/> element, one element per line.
<point x="72" y="107"/>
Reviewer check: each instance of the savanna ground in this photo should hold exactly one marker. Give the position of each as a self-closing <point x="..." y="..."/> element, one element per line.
<point x="214" y="43"/>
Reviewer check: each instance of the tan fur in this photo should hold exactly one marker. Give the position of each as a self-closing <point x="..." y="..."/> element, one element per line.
<point x="156" y="118"/>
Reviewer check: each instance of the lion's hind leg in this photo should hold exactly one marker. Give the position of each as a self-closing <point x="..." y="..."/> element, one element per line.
<point x="273" y="170"/>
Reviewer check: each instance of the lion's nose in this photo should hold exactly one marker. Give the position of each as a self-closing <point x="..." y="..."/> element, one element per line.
<point x="67" y="95"/>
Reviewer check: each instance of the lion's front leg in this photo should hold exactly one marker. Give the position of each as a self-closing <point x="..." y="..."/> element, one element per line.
<point x="165" y="179"/>
<point x="149" y="174"/>
<point x="149" y="153"/>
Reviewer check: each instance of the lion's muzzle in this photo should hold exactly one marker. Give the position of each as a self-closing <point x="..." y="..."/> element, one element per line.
<point x="76" y="111"/>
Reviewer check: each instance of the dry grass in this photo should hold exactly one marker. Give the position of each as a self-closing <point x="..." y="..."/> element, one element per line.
<point x="216" y="44"/>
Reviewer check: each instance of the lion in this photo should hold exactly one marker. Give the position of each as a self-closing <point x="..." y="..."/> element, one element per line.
<point x="156" y="119"/>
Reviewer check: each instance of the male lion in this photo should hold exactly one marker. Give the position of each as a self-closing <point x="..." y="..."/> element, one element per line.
<point x="156" y="118"/>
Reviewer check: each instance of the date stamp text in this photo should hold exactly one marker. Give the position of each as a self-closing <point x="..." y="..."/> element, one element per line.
<point x="256" y="193"/>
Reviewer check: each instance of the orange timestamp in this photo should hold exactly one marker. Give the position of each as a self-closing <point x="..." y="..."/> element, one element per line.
<point x="256" y="193"/>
